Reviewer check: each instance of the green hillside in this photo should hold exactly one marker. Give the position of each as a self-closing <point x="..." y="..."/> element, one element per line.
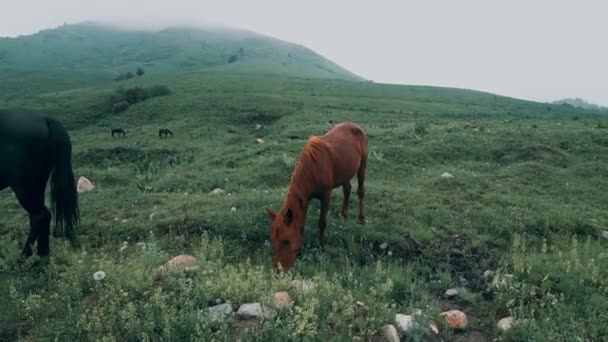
<point x="520" y="229"/>
<point x="92" y="46"/>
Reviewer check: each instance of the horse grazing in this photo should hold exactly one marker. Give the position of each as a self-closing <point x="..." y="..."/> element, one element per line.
<point x="119" y="131"/>
<point x="165" y="132"/>
<point x="34" y="147"/>
<point x="327" y="162"/>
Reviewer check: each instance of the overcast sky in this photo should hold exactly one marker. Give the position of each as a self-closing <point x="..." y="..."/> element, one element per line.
<point x="535" y="49"/>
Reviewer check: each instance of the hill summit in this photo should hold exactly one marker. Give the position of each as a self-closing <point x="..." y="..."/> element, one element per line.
<point x="94" y="46"/>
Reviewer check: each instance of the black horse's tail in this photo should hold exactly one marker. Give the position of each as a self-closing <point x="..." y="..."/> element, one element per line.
<point x="64" y="198"/>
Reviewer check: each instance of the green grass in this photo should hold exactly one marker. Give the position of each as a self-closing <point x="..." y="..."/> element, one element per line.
<point x="527" y="198"/>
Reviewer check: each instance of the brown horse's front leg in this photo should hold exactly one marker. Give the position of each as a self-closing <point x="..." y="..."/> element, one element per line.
<point x="325" y="198"/>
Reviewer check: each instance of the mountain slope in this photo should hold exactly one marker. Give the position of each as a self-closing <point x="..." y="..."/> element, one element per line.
<point x="91" y="46"/>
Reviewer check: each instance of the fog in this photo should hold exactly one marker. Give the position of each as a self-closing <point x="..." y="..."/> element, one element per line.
<point x="540" y="50"/>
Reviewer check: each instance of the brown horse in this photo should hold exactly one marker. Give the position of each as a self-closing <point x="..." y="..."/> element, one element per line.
<point x="326" y="163"/>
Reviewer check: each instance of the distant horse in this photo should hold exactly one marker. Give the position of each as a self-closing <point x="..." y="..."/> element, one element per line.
<point x="34" y="147"/>
<point x="165" y="132"/>
<point x="326" y="163"/>
<point x="119" y="131"/>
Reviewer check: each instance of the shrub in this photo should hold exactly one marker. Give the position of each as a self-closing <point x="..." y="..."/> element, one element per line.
<point x="421" y="128"/>
<point x="125" y="76"/>
<point x="233" y="58"/>
<point x="139" y="72"/>
<point x="134" y="95"/>
<point x="160" y="90"/>
<point x="120" y="106"/>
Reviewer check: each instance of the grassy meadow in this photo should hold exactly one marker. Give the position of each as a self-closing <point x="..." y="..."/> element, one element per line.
<point x="527" y="200"/>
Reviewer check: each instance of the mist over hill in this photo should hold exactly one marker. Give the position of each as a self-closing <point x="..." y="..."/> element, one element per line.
<point x="579" y="103"/>
<point x="100" y="47"/>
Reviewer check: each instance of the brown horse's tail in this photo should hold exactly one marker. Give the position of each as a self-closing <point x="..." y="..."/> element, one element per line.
<point x="64" y="198"/>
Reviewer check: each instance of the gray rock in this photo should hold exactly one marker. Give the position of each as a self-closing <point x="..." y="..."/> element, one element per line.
<point x="446" y="175"/>
<point x="390" y="333"/>
<point x="305" y="285"/>
<point x="405" y="322"/>
<point x="217" y="191"/>
<point x="219" y="312"/>
<point x="505" y="323"/>
<point x="451" y="292"/>
<point x="252" y="310"/>
<point x="605" y="234"/>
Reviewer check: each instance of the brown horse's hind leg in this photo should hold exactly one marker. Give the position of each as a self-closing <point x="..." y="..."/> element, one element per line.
<point x="346" y="188"/>
<point x="361" y="190"/>
<point x="325" y="198"/>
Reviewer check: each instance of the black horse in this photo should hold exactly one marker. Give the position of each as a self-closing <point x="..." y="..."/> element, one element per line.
<point x="119" y="131"/>
<point x="34" y="147"/>
<point x="165" y="132"/>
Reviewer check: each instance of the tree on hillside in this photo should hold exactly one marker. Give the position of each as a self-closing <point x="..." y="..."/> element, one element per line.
<point x="233" y="58"/>
<point x="139" y="71"/>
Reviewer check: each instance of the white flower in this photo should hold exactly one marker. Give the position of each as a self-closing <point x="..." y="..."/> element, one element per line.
<point x="99" y="275"/>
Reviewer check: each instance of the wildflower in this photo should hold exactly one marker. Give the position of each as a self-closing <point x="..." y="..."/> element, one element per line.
<point x="99" y="275"/>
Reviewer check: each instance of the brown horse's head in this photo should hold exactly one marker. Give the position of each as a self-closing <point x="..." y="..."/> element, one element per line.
<point x="286" y="235"/>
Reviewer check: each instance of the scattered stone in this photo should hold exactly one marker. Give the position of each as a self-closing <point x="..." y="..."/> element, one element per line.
<point x="233" y="209"/>
<point x="446" y="175"/>
<point x="282" y="299"/>
<point x="84" y="185"/>
<point x="405" y="322"/>
<point x="455" y="319"/>
<point x="251" y="310"/>
<point x="390" y="333"/>
<point x="505" y="323"/>
<point x="434" y="328"/>
<point x="488" y="273"/>
<point x="177" y="264"/>
<point x="384" y="245"/>
<point x="259" y="140"/>
<point x="258" y="127"/>
<point x="219" y="312"/>
<point x="124" y="221"/>
<point x="451" y="292"/>
<point x="605" y="234"/>
<point x="217" y="191"/>
<point x="305" y="285"/>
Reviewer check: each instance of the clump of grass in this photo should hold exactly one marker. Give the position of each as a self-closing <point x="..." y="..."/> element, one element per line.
<point x="558" y="290"/>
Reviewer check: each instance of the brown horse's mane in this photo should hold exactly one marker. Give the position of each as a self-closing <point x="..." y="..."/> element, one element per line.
<point x="303" y="176"/>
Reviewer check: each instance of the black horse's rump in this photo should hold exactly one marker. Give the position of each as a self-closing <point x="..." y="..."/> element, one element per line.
<point x="164" y="132"/>
<point x="119" y="131"/>
<point x="34" y="147"/>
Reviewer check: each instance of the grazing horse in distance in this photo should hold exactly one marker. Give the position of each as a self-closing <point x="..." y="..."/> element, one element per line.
<point x="327" y="162"/>
<point x="165" y="132"/>
<point x="119" y="131"/>
<point x="34" y="147"/>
